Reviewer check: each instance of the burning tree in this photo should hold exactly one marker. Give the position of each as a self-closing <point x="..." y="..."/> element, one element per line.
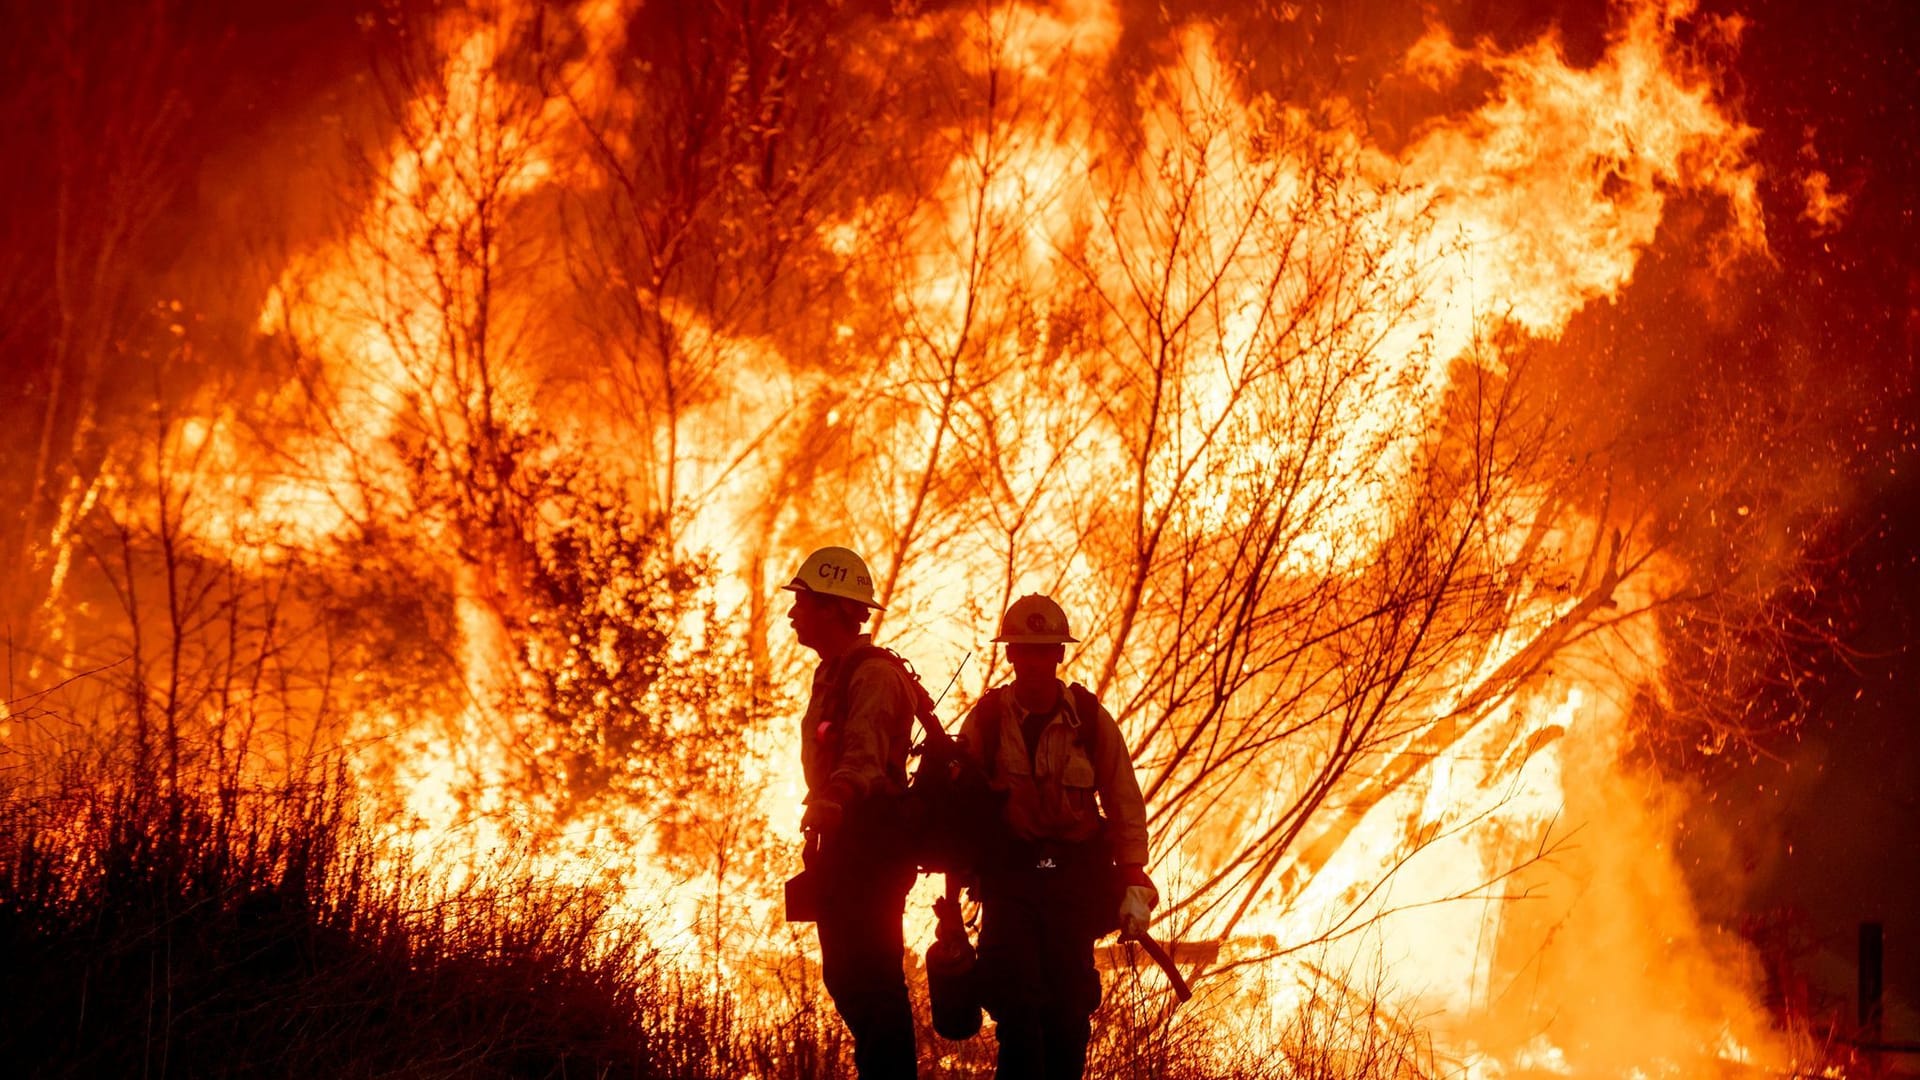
<point x="76" y="280"/>
<point x="629" y="307"/>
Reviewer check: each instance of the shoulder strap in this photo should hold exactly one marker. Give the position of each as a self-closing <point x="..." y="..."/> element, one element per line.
<point x="1085" y="705"/>
<point x="990" y="728"/>
<point x="922" y="701"/>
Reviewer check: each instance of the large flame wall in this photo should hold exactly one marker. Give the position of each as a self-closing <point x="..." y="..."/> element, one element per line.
<point x="1012" y="302"/>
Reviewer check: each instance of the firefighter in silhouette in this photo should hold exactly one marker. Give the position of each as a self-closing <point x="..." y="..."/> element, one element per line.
<point x="855" y="740"/>
<point x="1070" y="863"/>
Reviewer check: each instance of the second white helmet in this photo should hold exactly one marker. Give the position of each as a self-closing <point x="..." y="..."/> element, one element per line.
<point x="1034" y="620"/>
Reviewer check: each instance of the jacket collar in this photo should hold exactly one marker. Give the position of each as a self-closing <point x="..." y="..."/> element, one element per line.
<point x="833" y="666"/>
<point x="1063" y="708"/>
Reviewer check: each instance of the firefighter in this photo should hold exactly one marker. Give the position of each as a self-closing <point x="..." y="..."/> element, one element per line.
<point x="1069" y="864"/>
<point x="855" y="738"/>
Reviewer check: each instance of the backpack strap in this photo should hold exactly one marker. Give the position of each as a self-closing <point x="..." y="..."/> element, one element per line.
<point x="990" y="729"/>
<point x="1087" y="731"/>
<point x="842" y="691"/>
<point x="1086" y="708"/>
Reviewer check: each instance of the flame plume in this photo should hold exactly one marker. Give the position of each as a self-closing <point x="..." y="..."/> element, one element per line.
<point x="635" y="310"/>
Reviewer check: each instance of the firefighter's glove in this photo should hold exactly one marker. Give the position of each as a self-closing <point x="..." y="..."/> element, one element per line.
<point x="1136" y="910"/>
<point x="1136" y="905"/>
<point x="826" y="808"/>
<point x="821" y="816"/>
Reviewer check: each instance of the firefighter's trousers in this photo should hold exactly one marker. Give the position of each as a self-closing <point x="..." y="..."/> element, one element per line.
<point x="861" y="949"/>
<point x="1039" y="920"/>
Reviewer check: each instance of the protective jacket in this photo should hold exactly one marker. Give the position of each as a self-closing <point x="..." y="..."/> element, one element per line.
<point x="851" y="750"/>
<point x="1057" y="788"/>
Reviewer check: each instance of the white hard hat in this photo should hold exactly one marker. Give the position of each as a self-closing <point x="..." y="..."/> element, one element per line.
<point x="835" y="571"/>
<point x="1034" y="620"/>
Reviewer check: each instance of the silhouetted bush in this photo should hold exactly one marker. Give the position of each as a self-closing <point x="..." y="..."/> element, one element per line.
<point x="251" y="933"/>
<point x="229" y="931"/>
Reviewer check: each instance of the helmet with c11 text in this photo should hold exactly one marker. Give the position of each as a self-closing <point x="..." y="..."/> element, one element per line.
<point x="836" y="571"/>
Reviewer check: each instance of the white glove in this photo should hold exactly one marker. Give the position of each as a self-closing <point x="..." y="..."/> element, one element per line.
<point x="1135" y="908"/>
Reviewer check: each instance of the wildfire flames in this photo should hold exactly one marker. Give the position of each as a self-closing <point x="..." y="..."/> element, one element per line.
<point x="1257" y="382"/>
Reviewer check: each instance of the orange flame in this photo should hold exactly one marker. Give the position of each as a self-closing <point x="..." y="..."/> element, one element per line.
<point x="1088" y="308"/>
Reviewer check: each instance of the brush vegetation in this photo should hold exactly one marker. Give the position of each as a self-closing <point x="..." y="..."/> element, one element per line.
<point x="154" y="926"/>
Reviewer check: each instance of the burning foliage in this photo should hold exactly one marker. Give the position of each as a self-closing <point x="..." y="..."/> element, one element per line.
<point x="600" y="314"/>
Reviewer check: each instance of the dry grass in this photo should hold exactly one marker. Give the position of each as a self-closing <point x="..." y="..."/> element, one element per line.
<point x="216" y="931"/>
<point x="251" y="933"/>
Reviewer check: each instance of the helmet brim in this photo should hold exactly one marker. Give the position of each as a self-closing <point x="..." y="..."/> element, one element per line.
<point x="1035" y="639"/>
<point x="796" y="585"/>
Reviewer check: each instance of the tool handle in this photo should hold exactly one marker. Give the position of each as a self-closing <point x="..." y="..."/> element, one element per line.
<point x="1181" y="990"/>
